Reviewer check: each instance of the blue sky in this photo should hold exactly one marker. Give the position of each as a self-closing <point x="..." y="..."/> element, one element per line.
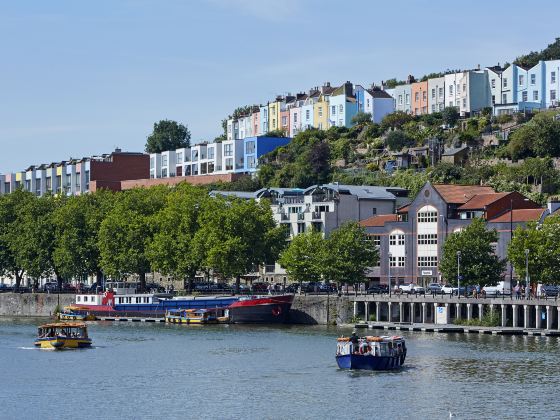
<point x="78" y="78"/>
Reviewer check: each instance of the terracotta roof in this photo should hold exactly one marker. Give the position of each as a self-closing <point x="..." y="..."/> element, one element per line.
<point x="377" y="221"/>
<point x="460" y="194"/>
<point x="519" y="215"/>
<point x="480" y="201"/>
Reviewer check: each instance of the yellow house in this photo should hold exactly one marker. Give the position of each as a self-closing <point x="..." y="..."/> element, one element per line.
<point x="274" y="114"/>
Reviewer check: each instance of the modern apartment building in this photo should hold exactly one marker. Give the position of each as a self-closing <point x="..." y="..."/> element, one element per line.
<point x="78" y="176"/>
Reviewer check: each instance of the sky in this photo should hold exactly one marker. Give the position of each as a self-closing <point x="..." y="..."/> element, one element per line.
<point x="79" y="78"/>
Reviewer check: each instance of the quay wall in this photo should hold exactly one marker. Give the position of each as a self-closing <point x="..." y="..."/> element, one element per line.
<point x="32" y="304"/>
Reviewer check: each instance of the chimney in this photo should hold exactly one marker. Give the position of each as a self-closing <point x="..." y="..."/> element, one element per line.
<point x="410" y="79"/>
<point x="118" y="150"/>
<point x="348" y="88"/>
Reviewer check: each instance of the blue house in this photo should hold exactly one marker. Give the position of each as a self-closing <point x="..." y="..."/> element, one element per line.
<point x="255" y="147"/>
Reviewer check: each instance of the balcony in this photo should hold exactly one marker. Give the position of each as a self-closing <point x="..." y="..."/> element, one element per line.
<point x="316" y="215"/>
<point x="284" y="217"/>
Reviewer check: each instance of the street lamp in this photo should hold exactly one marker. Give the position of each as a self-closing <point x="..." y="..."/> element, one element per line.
<point x="526" y="274"/>
<point x="458" y="274"/>
<point x="390" y="256"/>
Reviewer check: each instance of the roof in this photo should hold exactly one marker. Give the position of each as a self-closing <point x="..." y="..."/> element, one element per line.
<point x="454" y="150"/>
<point x="378" y="93"/>
<point x="404" y="209"/>
<point x="239" y="194"/>
<point x="519" y="215"/>
<point x="378" y="221"/>
<point x="460" y="194"/>
<point x="480" y="201"/>
<point x="360" y="191"/>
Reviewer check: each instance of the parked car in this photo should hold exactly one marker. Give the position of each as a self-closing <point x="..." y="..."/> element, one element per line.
<point x="378" y="289"/>
<point x="494" y="290"/>
<point x="449" y="289"/>
<point x="410" y="288"/>
<point x="548" y="290"/>
<point x="50" y="286"/>
<point x="434" y="288"/>
<point x="5" y="288"/>
<point x="259" y="287"/>
<point x="292" y="288"/>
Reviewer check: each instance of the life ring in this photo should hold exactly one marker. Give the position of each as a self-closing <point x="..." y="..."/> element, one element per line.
<point x="277" y="310"/>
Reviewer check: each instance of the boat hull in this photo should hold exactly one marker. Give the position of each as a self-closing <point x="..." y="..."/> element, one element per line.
<point x="182" y="320"/>
<point x="361" y="362"/>
<point x="267" y="310"/>
<point x="63" y="343"/>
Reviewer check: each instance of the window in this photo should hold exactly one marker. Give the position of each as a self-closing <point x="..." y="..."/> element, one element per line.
<point x="521" y="79"/>
<point x="396" y="261"/>
<point x="536" y="95"/>
<point x="433" y="108"/>
<point x="210" y="153"/>
<point x="164" y="173"/>
<point x="250" y="147"/>
<point x="295" y="118"/>
<point x="427" y="239"/>
<point x="341" y="108"/>
<point x="464" y="102"/>
<point x="433" y="93"/>
<point x="367" y="102"/>
<point x="552" y="95"/>
<point x="307" y="114"/>
<point x="493" y="83"/>
<point x="294" y="210"/>
<point x="400" y="100"/>
<point x="374" y="211"/>
<point x="441" y="92"/>
<point x="424" y="96"/>
<point x="427" y="261"/>
<point x="179" y="158"/>
<point x="284" y="121"/>
<point x="464" y="87"/>
<point x="376" y="239"/>
<point x="301" y="228"/>
<point x="416" y="96"/>
<point x="251" y="162"/>
<point x="333" y="110"/>
<point x="533" y="79"/>
<point x="228" y="149"/>
<point x="194" y="155"/>
<point x="320" y="111"/>
<point x="524" y="96"/>
<point x="203" y="168"/>
<point x="429" y="215"/>
<point x="229" y="164"/>
<point x="504" y="98"/>
<point x="396" y="239"/>
<point x="164" y="160"/>
<point x="152" y="162"/>
<point x="493" y="99"/>
<point x="321" y="209"/>
<point x="407" y="99"/>
<point x="552" y="77"/>
<point x="451" y="89"/>
<point x="210" y="167"/>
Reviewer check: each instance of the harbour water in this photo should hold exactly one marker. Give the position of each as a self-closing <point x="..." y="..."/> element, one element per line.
<point x="257" y="372"/>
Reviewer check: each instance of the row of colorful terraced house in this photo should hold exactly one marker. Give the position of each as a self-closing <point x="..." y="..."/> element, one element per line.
<point x="505" y="90"/>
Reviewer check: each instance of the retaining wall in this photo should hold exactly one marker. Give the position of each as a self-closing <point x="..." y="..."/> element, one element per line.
<point x="32" y="304"/>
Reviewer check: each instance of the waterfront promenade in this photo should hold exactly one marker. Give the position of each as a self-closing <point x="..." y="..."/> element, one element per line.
<point x="541" y="313"/>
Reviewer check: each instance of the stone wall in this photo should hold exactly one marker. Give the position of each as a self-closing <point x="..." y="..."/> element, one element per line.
<point x="315" y="310"/>
<point x="32" y="304"/>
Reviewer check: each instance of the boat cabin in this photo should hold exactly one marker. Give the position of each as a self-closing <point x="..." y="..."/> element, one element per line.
<point x="384" y="346"/>
<point x="64" y="330"/>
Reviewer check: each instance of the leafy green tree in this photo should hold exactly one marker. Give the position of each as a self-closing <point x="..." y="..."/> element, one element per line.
<point x="168" y="135"/>
<point x="445" y="173"/>
<point x="12" y="207"/>
<point x="348" y="254"/>
<point x="551" y="52"/>
<point x="395" y="120"/>
<point x="76" y="227"/>
<point x="361" y="118"/>
<point x="479" y="263"/>
<point x="450" y="116"/>
<point x="397" y="140"/>
<point x="303" y="259"/>
<point x="543" y="243"/>
<point x="173" y="250"/>
<point x="127" y="231"/>
<point x="236" y="236"/>
<point x="540" y="137"/>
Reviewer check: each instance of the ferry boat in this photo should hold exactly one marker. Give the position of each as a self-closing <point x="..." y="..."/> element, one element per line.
<point x="64" y="335"/>
<point x="371" y="352"/>
<point x="75" y="313"/>
<point x="261" y="309"/>
<point x="197" y="316"/>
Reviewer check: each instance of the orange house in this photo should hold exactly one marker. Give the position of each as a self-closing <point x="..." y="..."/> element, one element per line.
<point x="419" y="92"/>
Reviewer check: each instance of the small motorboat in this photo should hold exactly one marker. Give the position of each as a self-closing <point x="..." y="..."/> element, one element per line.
<point x="197" y="316"/>
<point x="75" y="313"/>
<point x="63" y="335"/>
<point x="371" y="352"/>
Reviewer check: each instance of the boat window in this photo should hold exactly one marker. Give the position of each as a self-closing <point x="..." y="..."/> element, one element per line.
<point x="78" y="298"/>
<point x="85" y="298"/>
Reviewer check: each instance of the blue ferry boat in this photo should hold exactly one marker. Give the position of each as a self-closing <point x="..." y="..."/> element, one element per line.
<point x="371" y="352"/>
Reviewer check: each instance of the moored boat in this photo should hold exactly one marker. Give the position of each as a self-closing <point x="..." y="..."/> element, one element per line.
<point x="197" y="316"/>
<point x="371" y="352"/>
<point x="261" y="309"/>
<point x="63" y="335"/>
<point x="75" y="313"/>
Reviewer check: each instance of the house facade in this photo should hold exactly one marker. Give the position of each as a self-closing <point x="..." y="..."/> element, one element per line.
<point x="436" y="94"/>
<point x="419" y="94"/>
<point x="402" y="95"/>
<point x="342" y="106"/>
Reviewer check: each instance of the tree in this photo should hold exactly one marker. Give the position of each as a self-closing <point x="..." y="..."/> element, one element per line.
<point x="479" y="263"/>
<point x="361" y="118"/>
<point x="450" y="116"/>
<point x="395" y="120"/>
<point x="12" y="206"/>
<point x="543" y="243"/>
<point x="397" y="140"/>
<point x="76" y="225"/>
<point x="173" y="250"/>
<point x="552" y="52"/>
<point x="236" y="236"/>
<point x="348" y="254"/>
<point x="303" y="258"/>
<point x="125" y="234"/>
<point x="168" y="135"/>
<point x="540" y="137"/>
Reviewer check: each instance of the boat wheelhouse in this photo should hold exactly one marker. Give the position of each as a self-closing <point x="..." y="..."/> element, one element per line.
<point x="197" y="316"/>
<point x="75" y="313"/>
<point x="63" y="335"/>
<point x="371" y="352"/>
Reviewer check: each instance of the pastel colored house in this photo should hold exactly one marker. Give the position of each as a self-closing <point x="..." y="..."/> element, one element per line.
<point x="468" y="91"/>
<point x="308" y="109"/>
<point x="374" y="101"/>
<point x="256" y="121"/>
<point x="263" y="119"/>
<point x="295" y="114"/>
<point x="274" y="110"/>
<point x="402" y="97"/>
<point x="255" y="147"/>
<point x="552" y="83"/>
<point x="321" y="108"/>
<point x="436" y="94"/>
<point x="342" y="106"/>
<point x="419" y="93"/>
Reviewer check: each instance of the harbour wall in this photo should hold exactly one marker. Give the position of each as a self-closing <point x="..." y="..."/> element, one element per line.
<point x="32" y="304"/>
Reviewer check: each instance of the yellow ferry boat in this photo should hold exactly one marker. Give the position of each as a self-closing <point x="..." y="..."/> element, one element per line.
<point x="63" y="335"/>
<point x="197" y="316"/>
